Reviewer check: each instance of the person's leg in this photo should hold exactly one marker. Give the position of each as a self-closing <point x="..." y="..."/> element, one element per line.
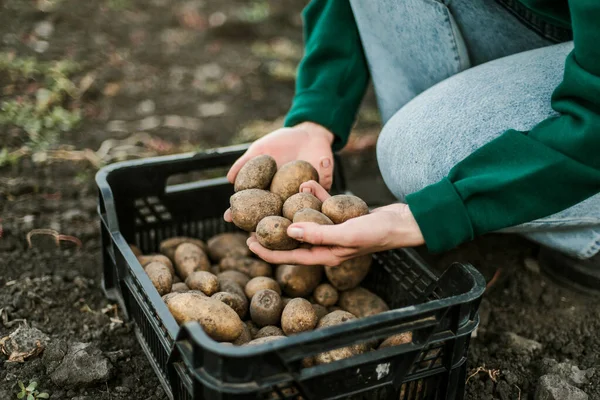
<point x="428" y="136"/>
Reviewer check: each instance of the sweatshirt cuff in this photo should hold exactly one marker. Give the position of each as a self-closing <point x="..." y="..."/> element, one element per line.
<point x="441" y="216"/>
<point x="325" y="110"/>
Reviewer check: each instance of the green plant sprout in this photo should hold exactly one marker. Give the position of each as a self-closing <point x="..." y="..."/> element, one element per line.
<point x="30" y="393"/>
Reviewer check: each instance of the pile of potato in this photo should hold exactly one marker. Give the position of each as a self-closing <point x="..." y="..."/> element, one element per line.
<point x="266" y="201"/>
<point x="241" y="300"/>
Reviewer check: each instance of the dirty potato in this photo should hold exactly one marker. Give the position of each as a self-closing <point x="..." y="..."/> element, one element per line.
<point x="190" y="258"/>
<point x="310" y="215"/>
<point x="179" y="287"/>
<point x="271" y="233"/>
<point x="136" y="250"/>
<point x="244" y="337"/>
<point x="168" y="246"/>
<point x="350" y="273"/>
<point x="298" y="316"/>
<point x="252" y="328"/>
<point x="236" y="276"/>
<point x="298" y="280"/>
<point x="246" y="265"/>
<point x="332" y="319"/>
<point x="298" y="202"/>
<point x="257" y="173"/>
<point x="266" y="308"/>
<point x="269" y="330"/>
<point x="320" y="310"/>
<point x="147" y="259"/>
<point x="204" y="281"/>
<point x="229" y="286"/>
<point x="160" y="276"/>
<point x="342" y="207"/>
<point x="264" y="340"/>
<point x="227" y="244"/>
<point x="361" y="302"/>
<point x="250" y="206"/>
<point x="396" y="340"/>
<point x="239" y="304"/>
<point x="325" y="295"/>
<point x="260" y="283"/>
<point x="290" y="176"/>
<point x="218" y="320"/>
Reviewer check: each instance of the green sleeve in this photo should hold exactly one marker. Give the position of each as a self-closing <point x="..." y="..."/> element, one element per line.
<point x="523" y="176"/>
<point x="333" y="74"/>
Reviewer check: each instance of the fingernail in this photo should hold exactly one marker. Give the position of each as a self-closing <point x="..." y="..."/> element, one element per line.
<point x="296" y="233"/>
<point x="325" y="163"/>
<point x="307" y="190"/>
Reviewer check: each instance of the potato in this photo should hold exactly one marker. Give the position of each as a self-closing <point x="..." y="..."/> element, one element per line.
<point x="290" y="176"/>
<point x="168" y="247"/>
<point x="190" y="258"/>
<point x="249" y="206"/>
<point x="298" y="316"/>
<point x="298" y="280"/>
<point x="350" y="273"/>
<point x="264" y="340"/>
<point x="239" y="304"/>
<point x="271" y="233"/>
<point x="396" y="340"/>
<point x="320" y="310"/>
<point x="215" y="270"/>
<point x="342" y="207"/>
<point x="308" y="362"/>
<point x="257" y="173"/>
<point x="236" y="276"/>
<point x="310" y="215"/>
<point x="203" y="281"/>
<point x="145" y="260"/>
<point x="160" y="276"/>
<point x="168" y="296"/>
<point x="197" y="292"/>
<point x="334" y="308"/>
<point x="325" y="295"/>
<point x="285" y="300"/>
<point x="269" y="330"/>
<point x="244" y="337"/>
<point x="336" y="318"/>
<point x="179" y="287"/>
<point x="218" y="320"/>
<point x="176" y="279"/>
<point x="247" y="265"/>
<point x="266" y="308"/>
<point x="229" y="286"/>
<point x="362" y="303"/>
<point x="260" y="283"/>
<point x="136" y="250"/>
<point x="252" y="328"/>
<point x="298" y="202"/>
<point x="227" y="244"/>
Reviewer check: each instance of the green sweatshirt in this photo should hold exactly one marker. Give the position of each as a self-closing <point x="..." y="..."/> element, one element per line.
<point x="516" y="178"/>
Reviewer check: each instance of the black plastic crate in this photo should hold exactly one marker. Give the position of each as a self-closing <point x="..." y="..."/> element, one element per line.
<point x="136" y="205"/>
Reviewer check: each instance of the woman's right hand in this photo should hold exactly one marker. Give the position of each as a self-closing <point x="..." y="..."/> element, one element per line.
<point x="307" y="141"/>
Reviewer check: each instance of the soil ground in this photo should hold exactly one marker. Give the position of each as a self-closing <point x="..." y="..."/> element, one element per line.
<point x="195" y="75"/>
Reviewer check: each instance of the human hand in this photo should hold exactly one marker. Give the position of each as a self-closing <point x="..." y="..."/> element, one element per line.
<point x="307" y="141"/>
<point x="385" y="228"/>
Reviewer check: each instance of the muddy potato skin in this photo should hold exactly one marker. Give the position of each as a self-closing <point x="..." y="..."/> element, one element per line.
<point x="342" y="207"/>
<point x="249" y="206"/>
<point x="257" y="173"/>
<point x="271" y="233"/>
<point x="290" y="176"/>
<point x="190" y="258"/>
<point x="298" y="316"/>
<point x="227" y="244"/>
<point x="229" y="286"/>
<point x="266" y="307"/>
<point x="236" y="276"/>
<point x="179" y="287"/>
<point x="310" y="215"/>
<point x="246" y="265"/>
<point x="298" y="202"/>
<point x="263" y="340"/>
<point x="396" y="340"/>
<point x="325" y="295"/>
<point x="252" y="327"/>
<point x="362" y="303"/>
<point x="218" y="320"/>
<point x="168" y="246"/>
<point x="239" y="305"/>
<point x="259" y="283"/>
<point x="298" y="280"/>
<point x="147" y="259"/>
<point x="136" y="250"/>
<point x="336" y="318"/>
<point x="160" y="276"/>
<point x="350" y="273"/>
<point x="320" y="310"/>
<point x="204" y="281"/>
<point x="269" y="330"/>
<point x="244" y="337"/>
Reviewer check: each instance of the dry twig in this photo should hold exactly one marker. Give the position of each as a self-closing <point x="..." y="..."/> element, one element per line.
<point x="57" y="236"/>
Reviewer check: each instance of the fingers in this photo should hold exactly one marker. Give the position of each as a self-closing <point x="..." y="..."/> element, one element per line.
<point x="323" y="235"/>
<point x="300" y="256"/>
<point x="326" y="172"/>
<point x="237" y="165"/>
<point x="315" y="189"/>
<point x="227" y="216"/>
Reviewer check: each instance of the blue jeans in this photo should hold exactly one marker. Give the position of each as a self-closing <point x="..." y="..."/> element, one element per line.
<point x="451" y="76"/>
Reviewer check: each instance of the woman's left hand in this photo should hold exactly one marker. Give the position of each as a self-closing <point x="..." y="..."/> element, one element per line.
<point x="384" y="228"/>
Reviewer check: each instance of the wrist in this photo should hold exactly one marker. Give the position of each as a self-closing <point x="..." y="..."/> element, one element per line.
<point x="408" y="232"/>
<point x="315" y="129"/>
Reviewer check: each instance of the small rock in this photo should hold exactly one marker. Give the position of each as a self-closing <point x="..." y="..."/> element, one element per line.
<point x="149" y="123"/>
<point x="553" y="387"/>
<point x="146" y="107"/>
<point x="82" y="365"/>
<point x="521" y="344"/>
<point x="569" y="372"/>
<point x="44" y="29"/>
<point x="40" y="46"/>
<point x="116" y="126"/>
<point x="24" y="342"/>
<point x="212" y="109"/>
<point x="532" y="265"/>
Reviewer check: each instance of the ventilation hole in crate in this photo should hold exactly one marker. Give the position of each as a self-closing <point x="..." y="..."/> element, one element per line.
<point x="138" y="222"/>
<point x="159" y="208"/>
<point x="144" y="211"/>
<point x="139" y="203"/>
<point x="282" y="392"/>
<point x="152" y="200"/>
<point x="415" y="390"/>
